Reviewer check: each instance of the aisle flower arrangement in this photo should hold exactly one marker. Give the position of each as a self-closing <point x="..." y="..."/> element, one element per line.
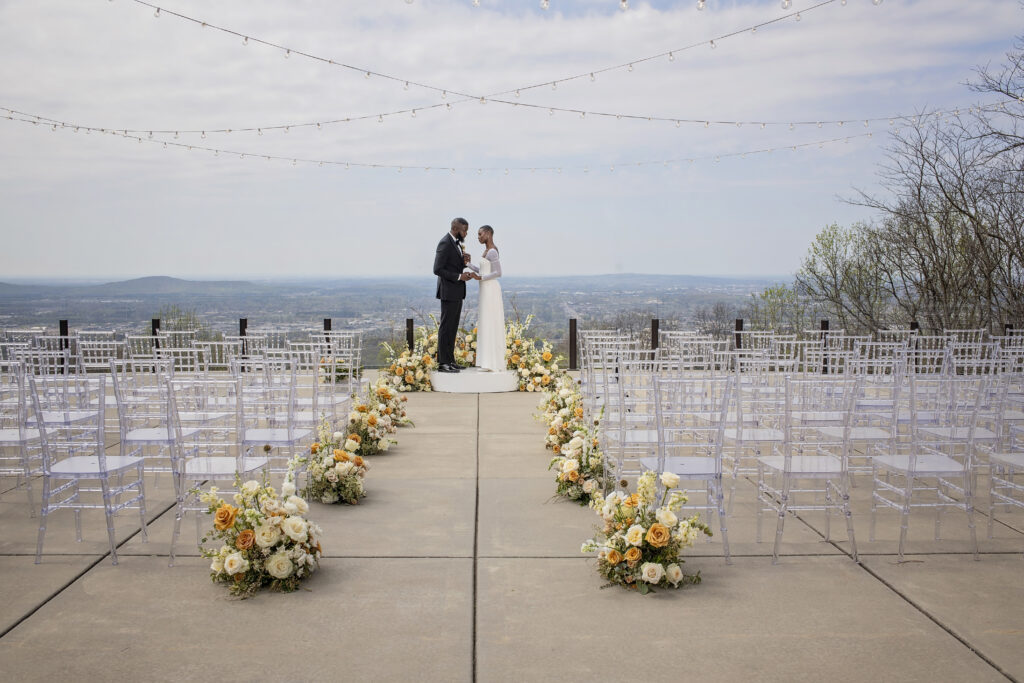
<point x="580" y="466"/>
<point x="410" y="369"/>
<point x="562" y="412"/>
<point x="266" y="538"/>
<point x="640" y="543"/>
<point x="369" y="426"/>
<point x="534" y="360"/>
<point x="391" y="403"/>
<point x="334" y="471"/>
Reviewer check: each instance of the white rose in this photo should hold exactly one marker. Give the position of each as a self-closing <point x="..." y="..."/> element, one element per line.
<point x="288" y="489"/>
<point x="652" y="572"/>
<point x="576" y="443"/>
<point x="295" y="528"/>
<point x="384" y="445"/>
<point x="674" y="574"/>
<point x="669" y="480"/>
<point x="565" y="393"/>
<point x="608" y="512"/>
<point x="338" y="436"/>
<point x="344" y="468"/>
<point x="250" y="487"/>
<point x="217" y="566"/>
<point x="589" y="486"/>
<point x="524" y="372"/>
<point x="635" y="535"/>
<point x="570" y="465"/>
<point x="554" y="367"/>
<point x="530" y="387"/>
<point x="353" y="417"/>
<point x="419" y="374"/>
<point x="331" y="475"/>
<point x="667" y="517"/>
<point x="301" y="505"/>
<point x="267" y="535"/>
<point x="279" y="566"/>
<point x="235" y="564"/>
<point x="291" y="509"/>
<point x="351" y="446"/>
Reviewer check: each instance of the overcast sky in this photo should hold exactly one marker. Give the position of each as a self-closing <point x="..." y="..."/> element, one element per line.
<point x="99" y="206"/>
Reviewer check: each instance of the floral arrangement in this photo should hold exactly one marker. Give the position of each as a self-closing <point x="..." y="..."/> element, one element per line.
<point x="369" y="426"/>
<point x="534" y="360"/>
<point x="266" y="538"/>
<point x="410" y="369"/>
<point x="334" y="472"/>
<point x="336" y="365"/>
<point x="580" y="466"/>
<point x="465" y="348"/>
<point x="391" y="403"/>
<point x="640" y="544"/>
<point x="562" y="411"/>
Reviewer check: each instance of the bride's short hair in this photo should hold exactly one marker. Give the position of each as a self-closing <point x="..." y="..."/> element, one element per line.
<point x="488" y="229"/>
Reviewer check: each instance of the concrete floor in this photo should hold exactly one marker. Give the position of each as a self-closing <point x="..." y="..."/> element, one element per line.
<point x="459" y="566"/>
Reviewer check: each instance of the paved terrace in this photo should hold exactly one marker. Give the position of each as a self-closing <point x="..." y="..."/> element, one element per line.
<point x="459" y="566"/>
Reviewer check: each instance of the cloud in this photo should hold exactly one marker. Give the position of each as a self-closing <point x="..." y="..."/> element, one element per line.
<point x="131" y="208"/>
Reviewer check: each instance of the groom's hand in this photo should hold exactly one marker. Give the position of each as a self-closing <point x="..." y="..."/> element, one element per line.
<point x="466" y="276"/>
<point x="466" y="258"/>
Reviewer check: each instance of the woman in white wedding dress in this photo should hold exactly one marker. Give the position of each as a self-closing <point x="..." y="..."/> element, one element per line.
<point x="490" y="326"/>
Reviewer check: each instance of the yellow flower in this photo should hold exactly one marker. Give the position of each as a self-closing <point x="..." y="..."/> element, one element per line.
<point x="613" y="557"/>
<point x="633" y="555"/>
<point x="315" y="448"/>
<point x="547" y="356"/>
<point x="658" y="535"/>
<point x="225" y="517"/>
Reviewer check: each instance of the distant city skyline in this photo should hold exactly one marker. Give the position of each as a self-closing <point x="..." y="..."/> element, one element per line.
<point x="98" y="207"/>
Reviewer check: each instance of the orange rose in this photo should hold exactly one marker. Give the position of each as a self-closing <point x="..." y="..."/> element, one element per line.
<point x="392" y="368"/>
<point x="658" y="535"/>
<point x="574" y="476"/>
<point x="340" y="456"/>
<point x="409" y="379"/>
<point x="427" y="360"/>
<point x="579" y="412"/>
<point x="633" y="555"/>
<point x="225" y="517"/>
<point x="314" y="449"/>
<point x="547" y="356"/>
<point x="245" y="539"/>
<point x="552" y="431"/>
<point x="358" y="461"/>
<point x="398" y="371"/>
<point x="356" y="438"/>
<point x="613" y="557"/>
<point x="361" y="408"/>
<point x="557" y="449"/>
<point x="632" y="501"/>
<point x="515" y="359"/>
<point x="372" y="421"/>
<point x="387" y="411"/>
<point x="546" y="380"/>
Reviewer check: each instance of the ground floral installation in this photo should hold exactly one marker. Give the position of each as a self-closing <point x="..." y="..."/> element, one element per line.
<point x="533" y="360"/>
<point x="266" y="538"/>
<point x="578" y="460"/>
<point x="334" y="472"/>
<point x="390" y="403"/>
<point x="640" y="543"/>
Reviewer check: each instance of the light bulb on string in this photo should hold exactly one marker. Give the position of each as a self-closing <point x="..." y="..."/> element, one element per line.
<point x="367" y="74"/>
<point x="842" y="2"/>
<point x="554" y="85"/>
<point x="841" y="123"/>
<point x="380" y="118"/>
<point x="203" y="136"/>
<point x="630" y="67"/>
<point x="865" y="123"/>
<point x="551" y="112"/>
<point x="157" y="13"/>
<point x="753" y="29"/>
<point x="819" y="124"/>
<point x="877" y="2"/>
<point x="175" y="135"/>
<point x="288" y="53"/>
<point x="713" y="46"/>
<point x="319" y="127"/>
<point x="414" y="113"/>
<point x="700" y="5"/>
<point x="448" y="106"/>
<point x="444" y="94"/>
<point x="677" y="124"/>
<point x="476" y="3"/>
<point x="259" y="131"/>
<point x="592" y="79"/>
<point x="483" y="100"/>
<point x="671" y="57"/>
<point x="791" y="126"/>
<point x="797" y="16"/>
<point x="624" y="5"/>
<point x="517" y="93"/>
<point x="406" y="86"/>
<point x="707" y="124"/>
<point x="786" y="4"/>
<point x="286" y="129"/>
<point x="543" y="4"/>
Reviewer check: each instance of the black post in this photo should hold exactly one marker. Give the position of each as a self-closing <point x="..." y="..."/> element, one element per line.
<point x="65" y="343"/>
<point x="739" y="328"/>
<point x="327" y="324"/>
<point x="655" y="324"/>
<point x="243" y="323"/>
<point x="410" y="334"/>
<point x="573" y="359"/>
<point x="1007" y="329"/>
<point x="915" y="327"/>
<point x="154" y="328"/>
<point x="824" y="345"/>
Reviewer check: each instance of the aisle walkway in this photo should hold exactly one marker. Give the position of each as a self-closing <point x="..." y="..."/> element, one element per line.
<point x="460" y="566"/>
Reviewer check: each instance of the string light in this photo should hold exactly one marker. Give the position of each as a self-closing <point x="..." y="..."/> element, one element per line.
<point x="700" y="5"/>
<point x="544" y="4"/>
<point x="15" y="116"/>
<point x="624" y="5"/>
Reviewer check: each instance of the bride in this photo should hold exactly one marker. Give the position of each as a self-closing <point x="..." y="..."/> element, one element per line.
<point x="490" y="344"/>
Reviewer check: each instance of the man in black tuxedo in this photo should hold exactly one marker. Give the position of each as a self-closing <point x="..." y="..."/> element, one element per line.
<point x="449" y="262"/>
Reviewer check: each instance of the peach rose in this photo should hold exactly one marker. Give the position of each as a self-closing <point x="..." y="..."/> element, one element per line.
<point x="573" y="476"/>
<point x="658" y="535"/>
<point x="314" y="449"/>
<point x="225" y="517"/>
<point x="340" y="456"/>
<point x="356" y="438"/>
<point x="614" y="557"/>
<point x="633" y="555"/>
<point x="547" y="356"/>
<point x="245" y="539"/>
<point x="358" y="461"/>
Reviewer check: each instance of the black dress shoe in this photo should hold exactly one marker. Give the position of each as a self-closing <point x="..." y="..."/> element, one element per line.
<point x="446" y="368"/>
<point x="456" y="368"/>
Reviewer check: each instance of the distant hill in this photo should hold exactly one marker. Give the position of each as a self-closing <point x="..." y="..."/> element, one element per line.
<point x="164" y="285"/>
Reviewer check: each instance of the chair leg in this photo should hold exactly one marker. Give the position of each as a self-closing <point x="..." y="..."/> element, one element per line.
<point x="722" y="526"/>
<point x="905" y="514"/>
<point x="969" y="508"/>
<point x="828" y="510"/>
<point x="108" y="511"/>
<point x="142" y="506"/>
<point x="993" y="471"/>
<point x="178" y="512"/>
<point x="845" y="493"/>
<point x="783" y="508"/>
<point x="44" y="511"/>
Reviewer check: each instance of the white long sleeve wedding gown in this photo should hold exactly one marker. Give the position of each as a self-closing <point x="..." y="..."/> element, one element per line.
<point x="490" y="326"/>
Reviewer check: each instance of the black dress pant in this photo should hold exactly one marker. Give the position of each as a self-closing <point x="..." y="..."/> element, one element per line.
<point x="451" y="313"/>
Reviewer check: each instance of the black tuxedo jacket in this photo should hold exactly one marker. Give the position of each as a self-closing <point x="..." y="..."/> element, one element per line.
<point x="448" y="268"/>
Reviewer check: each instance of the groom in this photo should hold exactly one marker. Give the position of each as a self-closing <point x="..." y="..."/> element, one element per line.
<point x="449" y="261"/>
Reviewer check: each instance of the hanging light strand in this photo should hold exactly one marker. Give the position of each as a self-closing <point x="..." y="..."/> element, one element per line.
<point x="294" y="160"/>
<point x="670" y="54"/>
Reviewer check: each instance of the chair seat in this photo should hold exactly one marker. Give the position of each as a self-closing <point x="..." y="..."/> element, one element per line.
<point x="959" y="433"/>
<point x="926" y="463"/>
<point x="1008" y="459"/>
<point x="221" y="467"/>
<point x="62" y="417"/>
<point x="203" y="416"/>
<point x="809" y="465"/>
<point x="632" y="436"/>
<point x="156" y="435"/>
<point x="83" y="465"/>
<point x="687" y="467"/>
<point x="754" y="434"/>
<point x="857" y="433"/>
<point x="12" y="436"/>
<point x="818" y="417"/>
<point x="275" y="436"/>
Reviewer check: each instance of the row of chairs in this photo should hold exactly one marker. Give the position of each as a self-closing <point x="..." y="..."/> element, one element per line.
<point x="196" y="428"/>
<point x="922" y="435"/>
